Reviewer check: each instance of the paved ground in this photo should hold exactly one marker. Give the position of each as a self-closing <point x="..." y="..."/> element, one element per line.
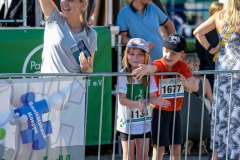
<point x="106" y="154"/>
<point x="109" y="157"/>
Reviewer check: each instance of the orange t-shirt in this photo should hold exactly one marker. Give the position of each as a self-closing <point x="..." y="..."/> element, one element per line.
<point x="180" y="67"/>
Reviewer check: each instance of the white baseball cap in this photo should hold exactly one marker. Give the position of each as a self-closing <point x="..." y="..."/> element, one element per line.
<point x="138" y="43"/>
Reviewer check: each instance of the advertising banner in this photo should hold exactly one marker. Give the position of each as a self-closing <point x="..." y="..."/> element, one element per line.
<point x="20" y="52"/>
<point x="36" y="117"/>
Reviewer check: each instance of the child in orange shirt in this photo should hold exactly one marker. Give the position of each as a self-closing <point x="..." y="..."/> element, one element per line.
<point x="173" y="52"/>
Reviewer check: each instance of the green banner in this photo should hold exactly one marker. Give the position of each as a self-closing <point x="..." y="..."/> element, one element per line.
<point x="20" y="52"/>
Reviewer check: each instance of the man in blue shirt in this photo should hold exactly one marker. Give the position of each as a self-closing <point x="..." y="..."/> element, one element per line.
<point x="142" y="19"/>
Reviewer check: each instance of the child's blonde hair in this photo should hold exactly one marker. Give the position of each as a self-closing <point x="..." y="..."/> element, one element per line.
<point x="127" y="66"/>
<point x="191" y="59"/>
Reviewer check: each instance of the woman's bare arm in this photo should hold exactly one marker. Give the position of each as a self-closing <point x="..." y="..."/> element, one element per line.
<point x="204" y="28"/>
<point x="48" y="6"/>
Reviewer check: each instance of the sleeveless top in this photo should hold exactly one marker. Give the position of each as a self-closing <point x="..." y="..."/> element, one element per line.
<point x="227" y="59"/>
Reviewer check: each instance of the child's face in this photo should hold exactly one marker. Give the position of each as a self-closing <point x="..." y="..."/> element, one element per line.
<point x="171" y="57"/>
<point x="194" y="66"/>
<point x="135" y="57"/>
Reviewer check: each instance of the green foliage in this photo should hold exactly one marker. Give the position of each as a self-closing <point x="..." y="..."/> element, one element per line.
<point x="190" y="46"/>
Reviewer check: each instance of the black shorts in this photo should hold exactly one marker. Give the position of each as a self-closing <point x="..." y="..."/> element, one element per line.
<point x="124" y="136"/>
<point x="166" y="128"/>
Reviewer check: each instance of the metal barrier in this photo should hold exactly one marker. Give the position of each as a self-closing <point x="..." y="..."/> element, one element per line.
<point x="62" y="150"/>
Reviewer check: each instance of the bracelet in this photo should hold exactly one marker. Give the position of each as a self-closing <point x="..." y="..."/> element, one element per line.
<point x="209" y="48"/>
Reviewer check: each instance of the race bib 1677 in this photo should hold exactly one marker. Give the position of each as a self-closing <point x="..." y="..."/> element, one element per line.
<point x="171" y="88"/>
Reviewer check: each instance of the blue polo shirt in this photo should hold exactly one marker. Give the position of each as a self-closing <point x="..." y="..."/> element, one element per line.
<point x="145" y="26"/>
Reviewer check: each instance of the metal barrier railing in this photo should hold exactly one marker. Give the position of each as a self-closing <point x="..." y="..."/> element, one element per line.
<point x="233" y="76"/>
